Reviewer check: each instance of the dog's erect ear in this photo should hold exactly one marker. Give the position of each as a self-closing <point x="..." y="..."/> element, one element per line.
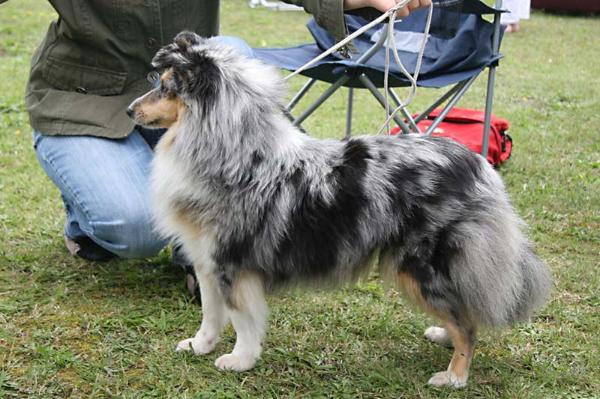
<point x="186" y="39"/>
<point x="199" y="77"/>
<point x="194" y="70"/>
<point x="167" y="56"/>
<point x="176" y="53"/>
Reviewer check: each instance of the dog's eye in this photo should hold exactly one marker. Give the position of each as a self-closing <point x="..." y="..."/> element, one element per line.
<point x="164" y="90"/>
<point x="168" y="87"/>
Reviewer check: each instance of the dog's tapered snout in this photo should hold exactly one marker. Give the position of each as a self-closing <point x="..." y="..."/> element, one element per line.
<point x="130" y="111"/>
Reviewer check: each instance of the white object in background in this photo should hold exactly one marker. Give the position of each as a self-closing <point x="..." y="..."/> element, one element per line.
<point x="517" y="10"/>
<point x="276" y="5"/>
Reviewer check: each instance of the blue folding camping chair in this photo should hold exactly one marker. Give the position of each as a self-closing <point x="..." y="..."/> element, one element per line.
<point x="461" y="44"/>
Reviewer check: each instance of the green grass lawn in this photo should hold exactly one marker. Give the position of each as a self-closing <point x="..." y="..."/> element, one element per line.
<point x="74" y="329"/>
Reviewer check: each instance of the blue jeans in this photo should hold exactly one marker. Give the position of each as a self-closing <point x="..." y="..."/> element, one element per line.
<point x="104" y="184"/>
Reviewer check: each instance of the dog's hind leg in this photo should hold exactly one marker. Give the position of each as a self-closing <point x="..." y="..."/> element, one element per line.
<point x="247" y="309"/>
<point x="214" y="316"/>
<point x="463" y="339"/>
<point x="461" y="334"/>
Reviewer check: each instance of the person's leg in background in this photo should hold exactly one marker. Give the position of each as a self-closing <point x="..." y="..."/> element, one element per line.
<point x="104" y="185"/>
<point x="516" y="11"/>
<point x="236" y="42"/>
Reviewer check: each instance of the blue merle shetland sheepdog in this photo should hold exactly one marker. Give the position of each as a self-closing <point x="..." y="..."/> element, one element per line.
<point x="258" y="205"/>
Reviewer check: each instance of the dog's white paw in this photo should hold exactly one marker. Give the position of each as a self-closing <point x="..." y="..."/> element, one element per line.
<point x="447" y="378"/>
<point x="200" y="346"/>
<point x="438" y="335"/>
<point x="235" y="362"/>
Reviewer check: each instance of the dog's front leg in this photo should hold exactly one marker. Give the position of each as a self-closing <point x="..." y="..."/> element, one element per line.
<point x="248" y="313"/>
<point x="214" y="316"/>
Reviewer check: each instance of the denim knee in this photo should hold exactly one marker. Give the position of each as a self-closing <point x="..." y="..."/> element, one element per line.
<point x="128" y="234"/>
<point x="109" y="204"/>
<point x="235" y="42"/>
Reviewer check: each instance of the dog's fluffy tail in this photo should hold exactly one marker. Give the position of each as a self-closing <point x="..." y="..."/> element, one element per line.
<point x="514" y="281"/>
<point x="536" y="284"/>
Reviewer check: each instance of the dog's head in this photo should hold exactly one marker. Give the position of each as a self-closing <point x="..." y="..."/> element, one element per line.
<point x="198" y="74"/>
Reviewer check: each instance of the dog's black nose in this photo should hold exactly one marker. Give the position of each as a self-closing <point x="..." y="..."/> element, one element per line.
<point x="130" y="112"/>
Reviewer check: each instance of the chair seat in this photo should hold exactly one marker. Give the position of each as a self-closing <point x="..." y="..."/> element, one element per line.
<point x="460" y="45"/>
<point x="329" y="70"/>
<point x="448" y="59"/>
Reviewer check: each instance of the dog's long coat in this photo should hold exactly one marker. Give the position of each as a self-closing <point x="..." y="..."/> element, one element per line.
<point x="259" y="205"/>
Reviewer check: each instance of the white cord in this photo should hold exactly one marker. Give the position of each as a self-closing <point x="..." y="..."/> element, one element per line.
<point x="349" y="38"/>
<point x="413" y="79"/>
<point x="391" y="39"/>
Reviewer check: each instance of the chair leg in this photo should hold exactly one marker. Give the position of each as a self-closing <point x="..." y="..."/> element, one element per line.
<point x="489" y="99"/>
<point x="373" y="89"/>
<point x="349" y="113"/>
<point x="300" y="94"/>
<point x="464" y="86"/>
<point x="326" y="94"/>
<point x="438" y="102"/>
<point x="489" y="96"/>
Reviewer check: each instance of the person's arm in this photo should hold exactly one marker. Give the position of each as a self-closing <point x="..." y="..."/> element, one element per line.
<point x="330" y="13"/>
<point x="384" y="5"/>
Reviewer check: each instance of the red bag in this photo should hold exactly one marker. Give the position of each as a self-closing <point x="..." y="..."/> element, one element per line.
<point x="466" y="127"/>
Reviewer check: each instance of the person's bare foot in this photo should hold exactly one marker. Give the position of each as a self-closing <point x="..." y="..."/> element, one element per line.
<point x="512" y="28"/>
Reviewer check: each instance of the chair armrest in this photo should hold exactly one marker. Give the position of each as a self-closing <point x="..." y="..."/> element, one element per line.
<point x="469" y="6"/>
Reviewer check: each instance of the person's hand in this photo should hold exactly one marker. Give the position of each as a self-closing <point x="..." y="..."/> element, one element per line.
<point x="384" y="5"/>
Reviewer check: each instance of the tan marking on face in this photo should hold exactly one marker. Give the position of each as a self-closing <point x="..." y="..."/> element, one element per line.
<point x="166" y="75"/>
<point x="158" y="109"/>
<point x="154" y="110"/>
<point x="168" y="139"/>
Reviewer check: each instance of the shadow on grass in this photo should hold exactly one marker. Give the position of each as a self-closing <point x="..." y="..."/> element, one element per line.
<point x="47" y="267"/>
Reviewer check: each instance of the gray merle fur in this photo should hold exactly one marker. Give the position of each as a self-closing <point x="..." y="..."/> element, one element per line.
<point x="293" y="208"/>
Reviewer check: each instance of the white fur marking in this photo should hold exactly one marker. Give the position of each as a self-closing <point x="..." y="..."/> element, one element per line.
<point x="214" y="317"/>
<point x="447" y="378"/>
<point x="438" y="335"/>
<point x="249" y="323"/>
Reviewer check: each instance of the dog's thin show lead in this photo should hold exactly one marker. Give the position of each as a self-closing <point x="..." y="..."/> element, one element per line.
<point x="391" y="40"/>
